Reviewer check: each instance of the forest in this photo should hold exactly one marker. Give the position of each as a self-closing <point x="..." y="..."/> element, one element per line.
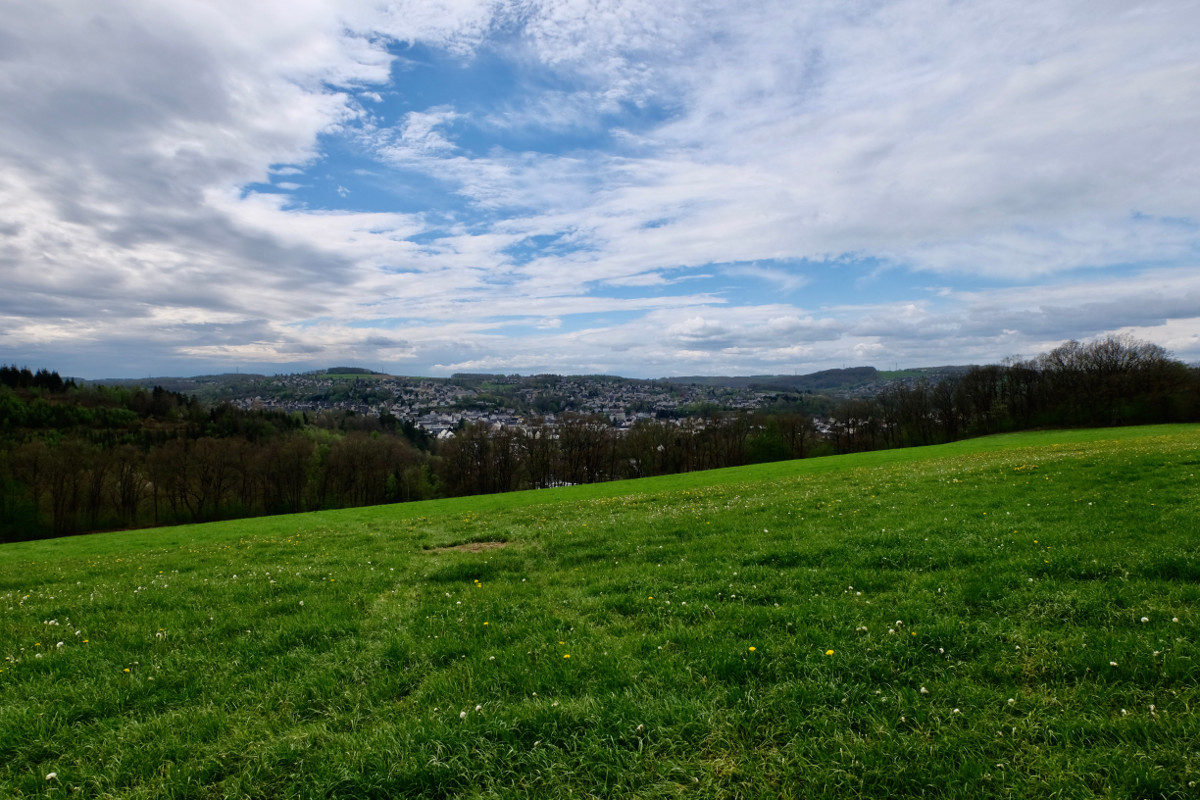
<point x="77" y="459"/>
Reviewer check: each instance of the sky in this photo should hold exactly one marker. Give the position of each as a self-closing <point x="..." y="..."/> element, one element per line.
<point x="645" y="188"/>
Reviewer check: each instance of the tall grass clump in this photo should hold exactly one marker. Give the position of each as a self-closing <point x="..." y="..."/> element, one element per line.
<point x="1013" y="616"/>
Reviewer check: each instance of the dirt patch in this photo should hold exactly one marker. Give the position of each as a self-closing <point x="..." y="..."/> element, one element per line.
<point x="470" y="547"/>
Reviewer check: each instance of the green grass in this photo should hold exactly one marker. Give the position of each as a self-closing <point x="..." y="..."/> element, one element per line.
<point x="929" y="622"/>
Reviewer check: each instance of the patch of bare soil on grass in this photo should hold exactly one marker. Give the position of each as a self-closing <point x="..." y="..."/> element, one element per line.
<point x="470" y="547"/>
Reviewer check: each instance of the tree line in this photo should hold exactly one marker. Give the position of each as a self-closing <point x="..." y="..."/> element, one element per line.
<point x="77" y="459"/>
<point x="1111" y="381"/>
<point x="23" y="378"/>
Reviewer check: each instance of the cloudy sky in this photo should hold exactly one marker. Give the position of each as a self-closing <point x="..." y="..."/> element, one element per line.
<point x="638" y="187"/>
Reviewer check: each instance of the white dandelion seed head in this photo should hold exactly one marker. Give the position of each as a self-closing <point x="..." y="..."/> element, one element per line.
<point x="51" y="776"/>
<point x="1112" y="663"/>
<point x="1145" y="619"/>
<point x="462" y="715"/>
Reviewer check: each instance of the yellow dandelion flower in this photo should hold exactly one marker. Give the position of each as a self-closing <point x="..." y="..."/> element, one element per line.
<point x="830" y="652"/>
<point x="566" y="655"/>
<point x="753" y="648"/>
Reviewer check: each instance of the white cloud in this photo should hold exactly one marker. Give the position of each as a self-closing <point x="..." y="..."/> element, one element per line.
<point x="418" y="137"/>
<point x="766" y="145"/>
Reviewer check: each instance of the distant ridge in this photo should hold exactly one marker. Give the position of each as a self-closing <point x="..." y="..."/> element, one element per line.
<point x="846" y="379"/>
<point x="823" y="380"/>
<point x="177" y="383"/>
<point x="347" y="371"/>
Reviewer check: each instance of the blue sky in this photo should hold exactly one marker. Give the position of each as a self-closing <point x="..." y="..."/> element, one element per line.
<point x="631" y="187"/>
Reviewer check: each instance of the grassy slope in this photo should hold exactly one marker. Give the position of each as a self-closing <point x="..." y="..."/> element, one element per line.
<point x="642" y="639"/>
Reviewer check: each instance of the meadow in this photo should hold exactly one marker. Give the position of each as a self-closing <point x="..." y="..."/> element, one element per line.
<point x="1013" y="616"/>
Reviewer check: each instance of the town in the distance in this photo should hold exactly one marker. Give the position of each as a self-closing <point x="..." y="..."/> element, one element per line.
<point x="439" y="406"/>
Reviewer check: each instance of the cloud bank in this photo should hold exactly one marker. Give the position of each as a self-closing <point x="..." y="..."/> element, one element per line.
<point x="646" y="188"/>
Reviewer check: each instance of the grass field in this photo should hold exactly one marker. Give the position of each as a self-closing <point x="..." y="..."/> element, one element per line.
<point x="1010" y="617"/>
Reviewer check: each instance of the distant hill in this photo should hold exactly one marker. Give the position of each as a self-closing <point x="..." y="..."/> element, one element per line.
<point x="349" y="371"/>
<point x="825" y="379"/>
<point x="186" y="385"/>
<point x="848" y="381"/>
